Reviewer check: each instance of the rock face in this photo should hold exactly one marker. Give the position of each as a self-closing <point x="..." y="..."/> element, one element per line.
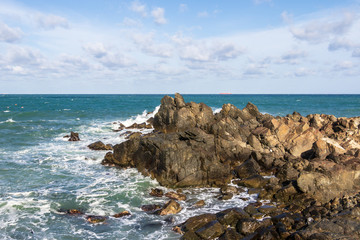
<point x="315" y="155"/>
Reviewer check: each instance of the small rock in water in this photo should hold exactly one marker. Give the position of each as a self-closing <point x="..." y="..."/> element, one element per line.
<point x="176" y="196"/>
<point x="156" y="192"/>
<point x="177" y="229"/>
<point x="74" y="137"/>
<point x="99" y="145"/>
<point x="95" y="219"/>
<point x="122" y="214"/>
<point x="199" y="203"/>
<point x="73" y="212"/>
<point x="171" y="207"/>
<point x="150" y="207"/>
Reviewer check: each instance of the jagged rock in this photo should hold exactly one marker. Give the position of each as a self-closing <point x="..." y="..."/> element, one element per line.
<point x="150" y="208"/>
<point x="100" y="146"/>
<point x="195" y="223"/>
<point x="231" y="216"/>
<point x="74" y="136"/>
<point x="156" y="192"/>
<point x="231" y="234"/>
<point x="171" y="207"/>
<point x="211" y="230"/>
<point x="255" y="181"/>
<point x="133" y="135"/>
<point x="176" y="196"/>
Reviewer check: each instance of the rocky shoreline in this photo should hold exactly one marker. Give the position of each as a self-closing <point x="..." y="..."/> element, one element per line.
<point x="305" y="168"/>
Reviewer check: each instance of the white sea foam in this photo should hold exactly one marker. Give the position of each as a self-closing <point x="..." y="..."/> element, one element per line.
<point x="216" y="110"/>
<point x="140" y="118"/>
<point x="10" y="120"/>
<point x="6" y="111"/>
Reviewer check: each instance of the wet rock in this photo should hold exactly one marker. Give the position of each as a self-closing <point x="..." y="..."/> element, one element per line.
<point x="266" y="209"/>
<point x="211" y="230"/>
<point x="74" y="136"/>
<point x="176" y="196"/>
<point x="95" y="219"/>
<point x="231" y="234"/>
<point x="150" y="208"/>
<point x="247" y="226"/>
<point x="122" y="214"/>
<point x="171" y="207"/>
<point x="226" y="196"/>
<point x="73" y="211"/>
<point x="190" y="235"/>
<point x="199" y="203"/>
<point x="231" y="216"/>
<point x="133" y="135"/>
<point x="229" y="189"/>
<point x="195" y="223"/>
<point x="100" y="146"/>
<point x="256" y="181"/>
<point x="156" y="192"/>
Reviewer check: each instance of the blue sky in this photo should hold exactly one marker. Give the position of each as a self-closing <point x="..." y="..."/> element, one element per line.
<point x="162" y="46"/>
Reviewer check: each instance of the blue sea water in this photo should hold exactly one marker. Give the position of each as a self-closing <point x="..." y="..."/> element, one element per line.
<point x="41" y="172"/>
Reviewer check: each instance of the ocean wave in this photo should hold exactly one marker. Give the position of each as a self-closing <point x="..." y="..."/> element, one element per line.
<point x="6" y="111"/>
<point x="10" y="120"/>
<point x="140" y="118"/>
<point x="216" y="110"/>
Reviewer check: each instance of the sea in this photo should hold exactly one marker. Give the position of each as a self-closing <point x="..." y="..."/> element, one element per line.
<point x="41" y="172"/>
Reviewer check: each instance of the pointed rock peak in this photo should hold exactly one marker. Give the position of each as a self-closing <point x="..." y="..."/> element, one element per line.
<point x="253" y="110"/>
<point x="179" y="100"/>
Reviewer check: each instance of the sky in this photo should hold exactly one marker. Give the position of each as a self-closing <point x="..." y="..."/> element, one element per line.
<point x="163" y="46"/>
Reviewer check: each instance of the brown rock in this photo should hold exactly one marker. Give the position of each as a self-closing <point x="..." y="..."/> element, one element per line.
<point x="95" y="219"/>
<point x="122" y="214"/>
<point x="199" y="203"/>
<point x="171" y="207"/>
<point x="156" y="192"/>
<point x="99" y="146"/>
<point x="211" y="230"/>
<point x="74" y="136"/>
<point x="150" y="207"/>
<point x="195" y="223"/>
<point x="176" y="196"/>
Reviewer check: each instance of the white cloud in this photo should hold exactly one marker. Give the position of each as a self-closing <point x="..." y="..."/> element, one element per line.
<point x="203" y="14"/>
<point x="74" y="62"/>
<point x="138" y="7"/>
<point x="183" y="7"/>
<point x="302" y="72"/>
<point x="15" y="69"/>
<point x="206" y="50"/>
<point x="131" y="22"/>
<point x="116" y="60"/>
<point x="286" y="17"/>
<point x="158" y="15"/>
<point x="97" y="50"/>
<point x="50" y="21"/>
<point x="147" y="45"/>
<point x="319" y="30"/>
<point x="23" y="56"/>
<point x="345" y="65"/>
<point x="8" y="34"/>
<point x="356" y="53"/>
<point x="345" y="44"/>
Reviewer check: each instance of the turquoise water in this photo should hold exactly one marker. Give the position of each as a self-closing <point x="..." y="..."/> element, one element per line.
<point x="41" y="172"/>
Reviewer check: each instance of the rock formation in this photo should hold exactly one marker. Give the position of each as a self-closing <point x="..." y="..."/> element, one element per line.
<point x="192" y="147"/>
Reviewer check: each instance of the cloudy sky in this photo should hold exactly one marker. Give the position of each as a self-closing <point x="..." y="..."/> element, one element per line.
<point x="162" y="46"/>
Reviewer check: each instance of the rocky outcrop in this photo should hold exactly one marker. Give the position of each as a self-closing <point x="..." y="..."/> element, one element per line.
<point x="315" y="155"/>
<point x="74" y="137"/>
<point x="100" y="146"/>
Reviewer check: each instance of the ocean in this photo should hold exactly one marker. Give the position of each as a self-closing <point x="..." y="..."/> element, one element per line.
<point x="41" y="172"/>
